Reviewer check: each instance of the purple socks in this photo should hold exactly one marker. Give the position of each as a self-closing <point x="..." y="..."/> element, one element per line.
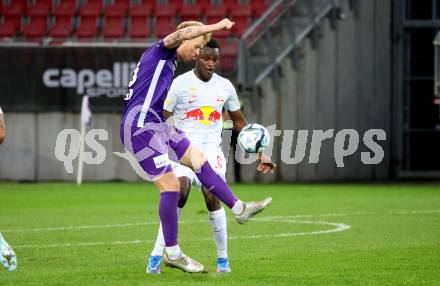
<point x="215" y="183"/>
<point x="168" y="216"/>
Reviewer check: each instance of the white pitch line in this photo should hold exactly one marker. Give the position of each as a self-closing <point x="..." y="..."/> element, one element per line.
<point x="120" y="225"/>
<point x="338" y="227"/>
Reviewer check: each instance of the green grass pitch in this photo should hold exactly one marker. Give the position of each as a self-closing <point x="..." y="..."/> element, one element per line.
<point x="348" y="234"/>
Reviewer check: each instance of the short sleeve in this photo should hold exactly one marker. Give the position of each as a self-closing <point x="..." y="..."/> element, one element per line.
<point x="232" y="103"/>
<point x="171" y="100"/>
<point x="164" y="52"/>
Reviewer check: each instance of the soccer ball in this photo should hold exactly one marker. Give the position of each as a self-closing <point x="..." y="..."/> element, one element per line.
<point x="254" y="138"/>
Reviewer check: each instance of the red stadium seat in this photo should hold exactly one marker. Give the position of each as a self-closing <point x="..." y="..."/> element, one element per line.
<point x="241" y="25"/>
<point x="116" y="11"/>
<point x="8" y="30"/>
<point x="139" y="30"/>
<point x="259" y="7"/>
<point x="231" y="5"/>
<point x="90" y="11"/>
<point x="223" y="34"/>
<point x="65" y="11"/>
<point x="241" y="11"/>
<point x="61" y="30"/>
<point x="114" y="30"/>
<point x="39" y="11"/>
<point x="215" y="13"/>
<point x="163" y="29"/>
<point x="13" y="13"/>
<point x="229" y="52"/>
<point x="190" y="12"/>
<point x="35" y="29"/>
<point x="87" y="30"/>
<point x="166" y="11"/>
<point x="15" y="20"/>
<point x="141" y="12"/>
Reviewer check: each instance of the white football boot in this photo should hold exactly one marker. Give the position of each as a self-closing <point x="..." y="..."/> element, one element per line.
<point x="250" y="209"/>
<point x="184" y="263"/>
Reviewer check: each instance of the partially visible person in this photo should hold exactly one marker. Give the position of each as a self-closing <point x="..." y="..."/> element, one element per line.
<point x="7" y="257"/>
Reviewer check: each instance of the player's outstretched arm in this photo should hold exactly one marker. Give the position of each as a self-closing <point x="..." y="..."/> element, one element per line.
<point x="2" y="128"/>
<point x="175" y="39"/>
<point x="265" y="164"/>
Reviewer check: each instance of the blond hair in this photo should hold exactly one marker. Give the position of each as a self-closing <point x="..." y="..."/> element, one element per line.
<point x="186" y="24"/>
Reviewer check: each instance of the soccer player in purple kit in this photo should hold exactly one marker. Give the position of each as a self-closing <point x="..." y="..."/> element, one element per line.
<point x="147" y="135"/>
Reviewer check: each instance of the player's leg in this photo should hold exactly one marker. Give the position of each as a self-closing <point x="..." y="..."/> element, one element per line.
<point x="151" y="151"/>
<point x="217" y="222"/>
<point x="195" y="159"/>
<point x="216" y="212"/>
<point x="7" y="255"/>
<point x="158" y="249"/>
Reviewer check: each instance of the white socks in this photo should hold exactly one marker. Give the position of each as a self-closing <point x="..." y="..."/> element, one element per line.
<point x="237" y="208"/>
<point x="217" y="221"/>
<point x="160" y="241"/>
<point x="173" y="252"/>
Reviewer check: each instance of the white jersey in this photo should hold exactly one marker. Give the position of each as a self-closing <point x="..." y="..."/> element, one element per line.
<point x="197" y="107"/>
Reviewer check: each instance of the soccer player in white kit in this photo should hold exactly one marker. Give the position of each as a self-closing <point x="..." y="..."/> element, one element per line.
<point x="195" y="101"/>
<point x="7" y="254"/>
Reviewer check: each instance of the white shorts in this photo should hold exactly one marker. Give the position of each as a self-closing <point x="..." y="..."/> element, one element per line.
<point x="215" y="157"/>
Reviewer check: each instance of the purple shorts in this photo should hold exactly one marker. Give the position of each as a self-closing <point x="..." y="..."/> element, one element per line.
<point x="154" y="145"/>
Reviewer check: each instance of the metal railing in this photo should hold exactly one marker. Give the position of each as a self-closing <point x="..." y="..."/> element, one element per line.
<point x="262" y="27"/>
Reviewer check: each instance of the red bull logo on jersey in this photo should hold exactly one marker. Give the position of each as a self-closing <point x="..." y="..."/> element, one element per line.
<point x="206" y="115"/>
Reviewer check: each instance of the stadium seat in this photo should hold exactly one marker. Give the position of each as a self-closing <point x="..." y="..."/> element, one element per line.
<point x="35" y="29"/>
<point x="223" y="34"/>
<point x="141" y="12"/>
<point x="116" y="11"/>
<point x="8" y="30"/>
<point x="166" y="11"/>
<point x="14" y="12"/>
<point x="215" y="13"/>
<point x="39" y="11"/>
<point x="229" y="52"/>
<point x="65" y="11"/>
<point x="259" y="7"/>
<point x="90" y="11"/>
<point x="114" y="30"/>
<point x="61" y="30"/>
<point x="241" y="25"/>
<point x="176" y="3"/>
<point x="163" y="29"/>
<point x="190" y="12"/>
<point x="139" y="30"/>
<point x="87" y="30"/>
<point x="231" y="5"/>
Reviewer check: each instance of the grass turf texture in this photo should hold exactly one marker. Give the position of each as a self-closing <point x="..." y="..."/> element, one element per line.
<point x="114" y="227"/>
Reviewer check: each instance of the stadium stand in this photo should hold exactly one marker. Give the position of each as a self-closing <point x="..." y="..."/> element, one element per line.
<point x="54" y="21"/>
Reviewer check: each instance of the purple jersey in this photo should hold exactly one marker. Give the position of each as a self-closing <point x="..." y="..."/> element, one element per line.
<point x="149" y="85"/>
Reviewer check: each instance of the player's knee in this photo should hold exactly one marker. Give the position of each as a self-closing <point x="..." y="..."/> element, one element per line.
<point x="198" y="160"/>
<point x="193" y="158"/>
<point x="168" y="182"/>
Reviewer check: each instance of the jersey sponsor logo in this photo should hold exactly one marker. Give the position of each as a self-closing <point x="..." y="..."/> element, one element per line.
<point x="206" y="115"/>
<point x="192" y="99"/>
<point x="112" y="83"/>
<point x="161" y="161"/>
